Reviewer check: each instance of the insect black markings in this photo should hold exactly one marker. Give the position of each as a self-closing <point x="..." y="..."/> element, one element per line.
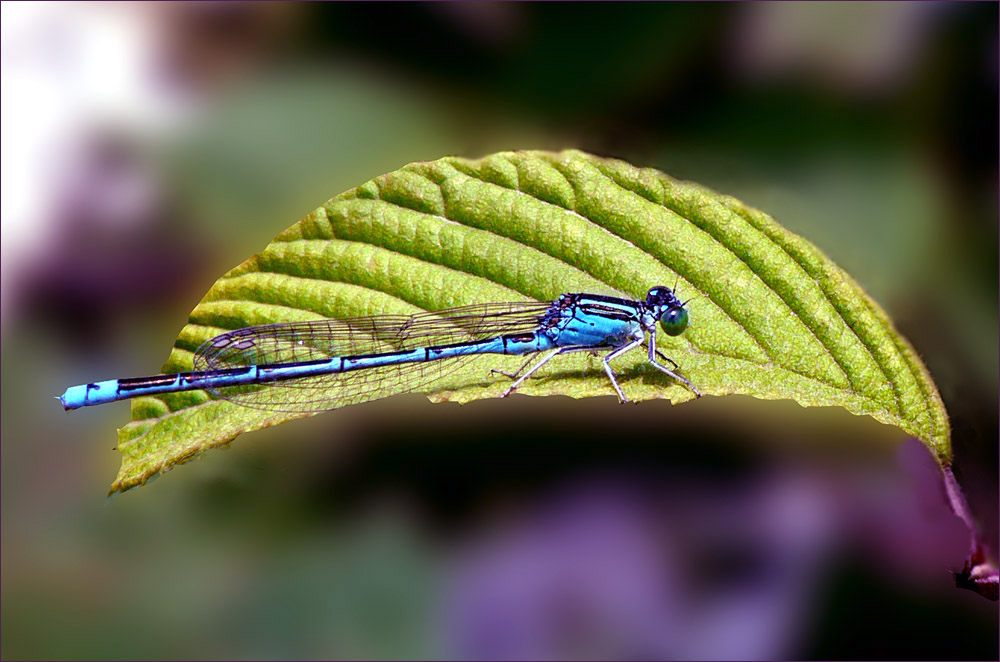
<point x="125" y="385"/>
<point x="438" y="349"/>
<point x="609" y="312"/>
<point x="359" y="357"/>
<point x="600" y="297"/>
<point x="263" y="370"/>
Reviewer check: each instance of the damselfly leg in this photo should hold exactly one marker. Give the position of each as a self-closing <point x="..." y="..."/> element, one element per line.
<point x="607" y="366"/>
<point x="653" y="352"/>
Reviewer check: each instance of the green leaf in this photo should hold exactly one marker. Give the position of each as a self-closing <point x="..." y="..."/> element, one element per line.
<point x="774" y="317"/>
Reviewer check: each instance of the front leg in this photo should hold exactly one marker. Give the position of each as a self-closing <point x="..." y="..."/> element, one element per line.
<point x="666" y="358"/>
<point x="652" y="359"/>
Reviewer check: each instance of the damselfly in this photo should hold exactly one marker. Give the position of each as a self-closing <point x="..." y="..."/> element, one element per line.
<point x="319" y="365"/>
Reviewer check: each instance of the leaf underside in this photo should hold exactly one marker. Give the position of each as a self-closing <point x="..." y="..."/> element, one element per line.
<point x="774" y="317"/>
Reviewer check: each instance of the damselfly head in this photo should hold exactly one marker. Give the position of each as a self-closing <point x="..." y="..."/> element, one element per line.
<point x="668" y="309"/>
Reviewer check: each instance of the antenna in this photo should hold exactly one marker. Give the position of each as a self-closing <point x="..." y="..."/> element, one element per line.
<point x="700" y="296"/>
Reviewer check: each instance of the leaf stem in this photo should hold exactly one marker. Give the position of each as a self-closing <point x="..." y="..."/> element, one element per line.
<point x="980" y="573"/>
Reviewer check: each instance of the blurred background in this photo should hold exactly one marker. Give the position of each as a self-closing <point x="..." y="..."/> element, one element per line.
<point x="148" y="148"/>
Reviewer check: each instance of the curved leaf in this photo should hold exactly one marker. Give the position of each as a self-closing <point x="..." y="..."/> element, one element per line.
<point x="775" y="317"/>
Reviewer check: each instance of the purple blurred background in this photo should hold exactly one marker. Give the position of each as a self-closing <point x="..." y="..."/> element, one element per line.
<point x="148" y="148"/>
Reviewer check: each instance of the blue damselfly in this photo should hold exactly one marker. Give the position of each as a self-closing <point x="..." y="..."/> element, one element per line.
<point x="319" y="365"/>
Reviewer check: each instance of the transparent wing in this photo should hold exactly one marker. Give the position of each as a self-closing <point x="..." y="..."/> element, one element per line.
<point x="325" y="339"/>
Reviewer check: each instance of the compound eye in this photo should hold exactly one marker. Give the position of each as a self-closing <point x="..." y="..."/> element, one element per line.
<point x="674" y="321"/>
